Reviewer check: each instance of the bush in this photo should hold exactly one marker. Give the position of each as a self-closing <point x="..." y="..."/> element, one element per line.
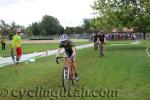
<point x="42" y="38"/>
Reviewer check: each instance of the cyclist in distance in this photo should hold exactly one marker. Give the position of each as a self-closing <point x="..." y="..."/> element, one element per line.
<point x="101" y="38"/>
<point x="95" y="37"/>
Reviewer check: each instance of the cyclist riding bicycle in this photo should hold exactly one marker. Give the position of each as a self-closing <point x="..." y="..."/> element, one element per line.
<point x="95" y="37"/>
<point x="101" y="41"/>
<point x="70" y="51"/>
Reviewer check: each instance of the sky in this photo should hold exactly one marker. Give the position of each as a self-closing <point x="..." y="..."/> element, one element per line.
<point x="25" y="12"/>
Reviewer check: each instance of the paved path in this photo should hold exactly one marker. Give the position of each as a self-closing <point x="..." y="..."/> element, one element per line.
<point x="8" y="60"/>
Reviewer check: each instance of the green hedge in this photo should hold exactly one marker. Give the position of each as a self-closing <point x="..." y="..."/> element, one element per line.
<point x="42" y="38"/>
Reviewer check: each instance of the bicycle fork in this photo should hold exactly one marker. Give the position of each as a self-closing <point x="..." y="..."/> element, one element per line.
<point x="66" y="72"/>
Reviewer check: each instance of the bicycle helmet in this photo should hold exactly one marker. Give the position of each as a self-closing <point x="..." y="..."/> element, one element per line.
<point x="64" y="37"/>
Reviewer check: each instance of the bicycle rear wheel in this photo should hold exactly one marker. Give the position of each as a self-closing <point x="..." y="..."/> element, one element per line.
<point x="66" y="81"/>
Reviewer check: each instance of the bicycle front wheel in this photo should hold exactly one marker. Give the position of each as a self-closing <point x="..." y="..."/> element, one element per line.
<point x="66" y="81"/>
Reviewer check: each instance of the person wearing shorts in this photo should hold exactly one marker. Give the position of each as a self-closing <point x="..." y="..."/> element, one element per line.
<point x="70" y="51"/>
<point x="16" y="43"/>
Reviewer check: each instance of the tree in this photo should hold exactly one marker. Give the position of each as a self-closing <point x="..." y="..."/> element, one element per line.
<point x="13" y="27"/>
<point x="106" y="19"/>
<point x="124" y="13"/>
<point x="47" y="26"/>
<point x="86" y="25"/>
<point x="142" y="15"/>
<point x="78" y="30"/>
<point x="28" y="31"/>
<point x="4" y="28"/>
<point x="74" y="30"/>
<point x="68" y="30"/>
<point x="35" y="28"/>
<point x="50" y="25"/>
<point x="9" y="29"/>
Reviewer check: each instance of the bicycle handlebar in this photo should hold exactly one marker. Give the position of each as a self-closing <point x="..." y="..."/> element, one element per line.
<point x="60" y="58"/>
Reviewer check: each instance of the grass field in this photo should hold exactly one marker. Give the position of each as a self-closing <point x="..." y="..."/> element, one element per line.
<point x="125" y="69"/>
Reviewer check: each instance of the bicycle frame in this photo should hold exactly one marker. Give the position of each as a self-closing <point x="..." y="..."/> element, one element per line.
<point x="68" y="62"/>
<point x="67" y="75"/>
